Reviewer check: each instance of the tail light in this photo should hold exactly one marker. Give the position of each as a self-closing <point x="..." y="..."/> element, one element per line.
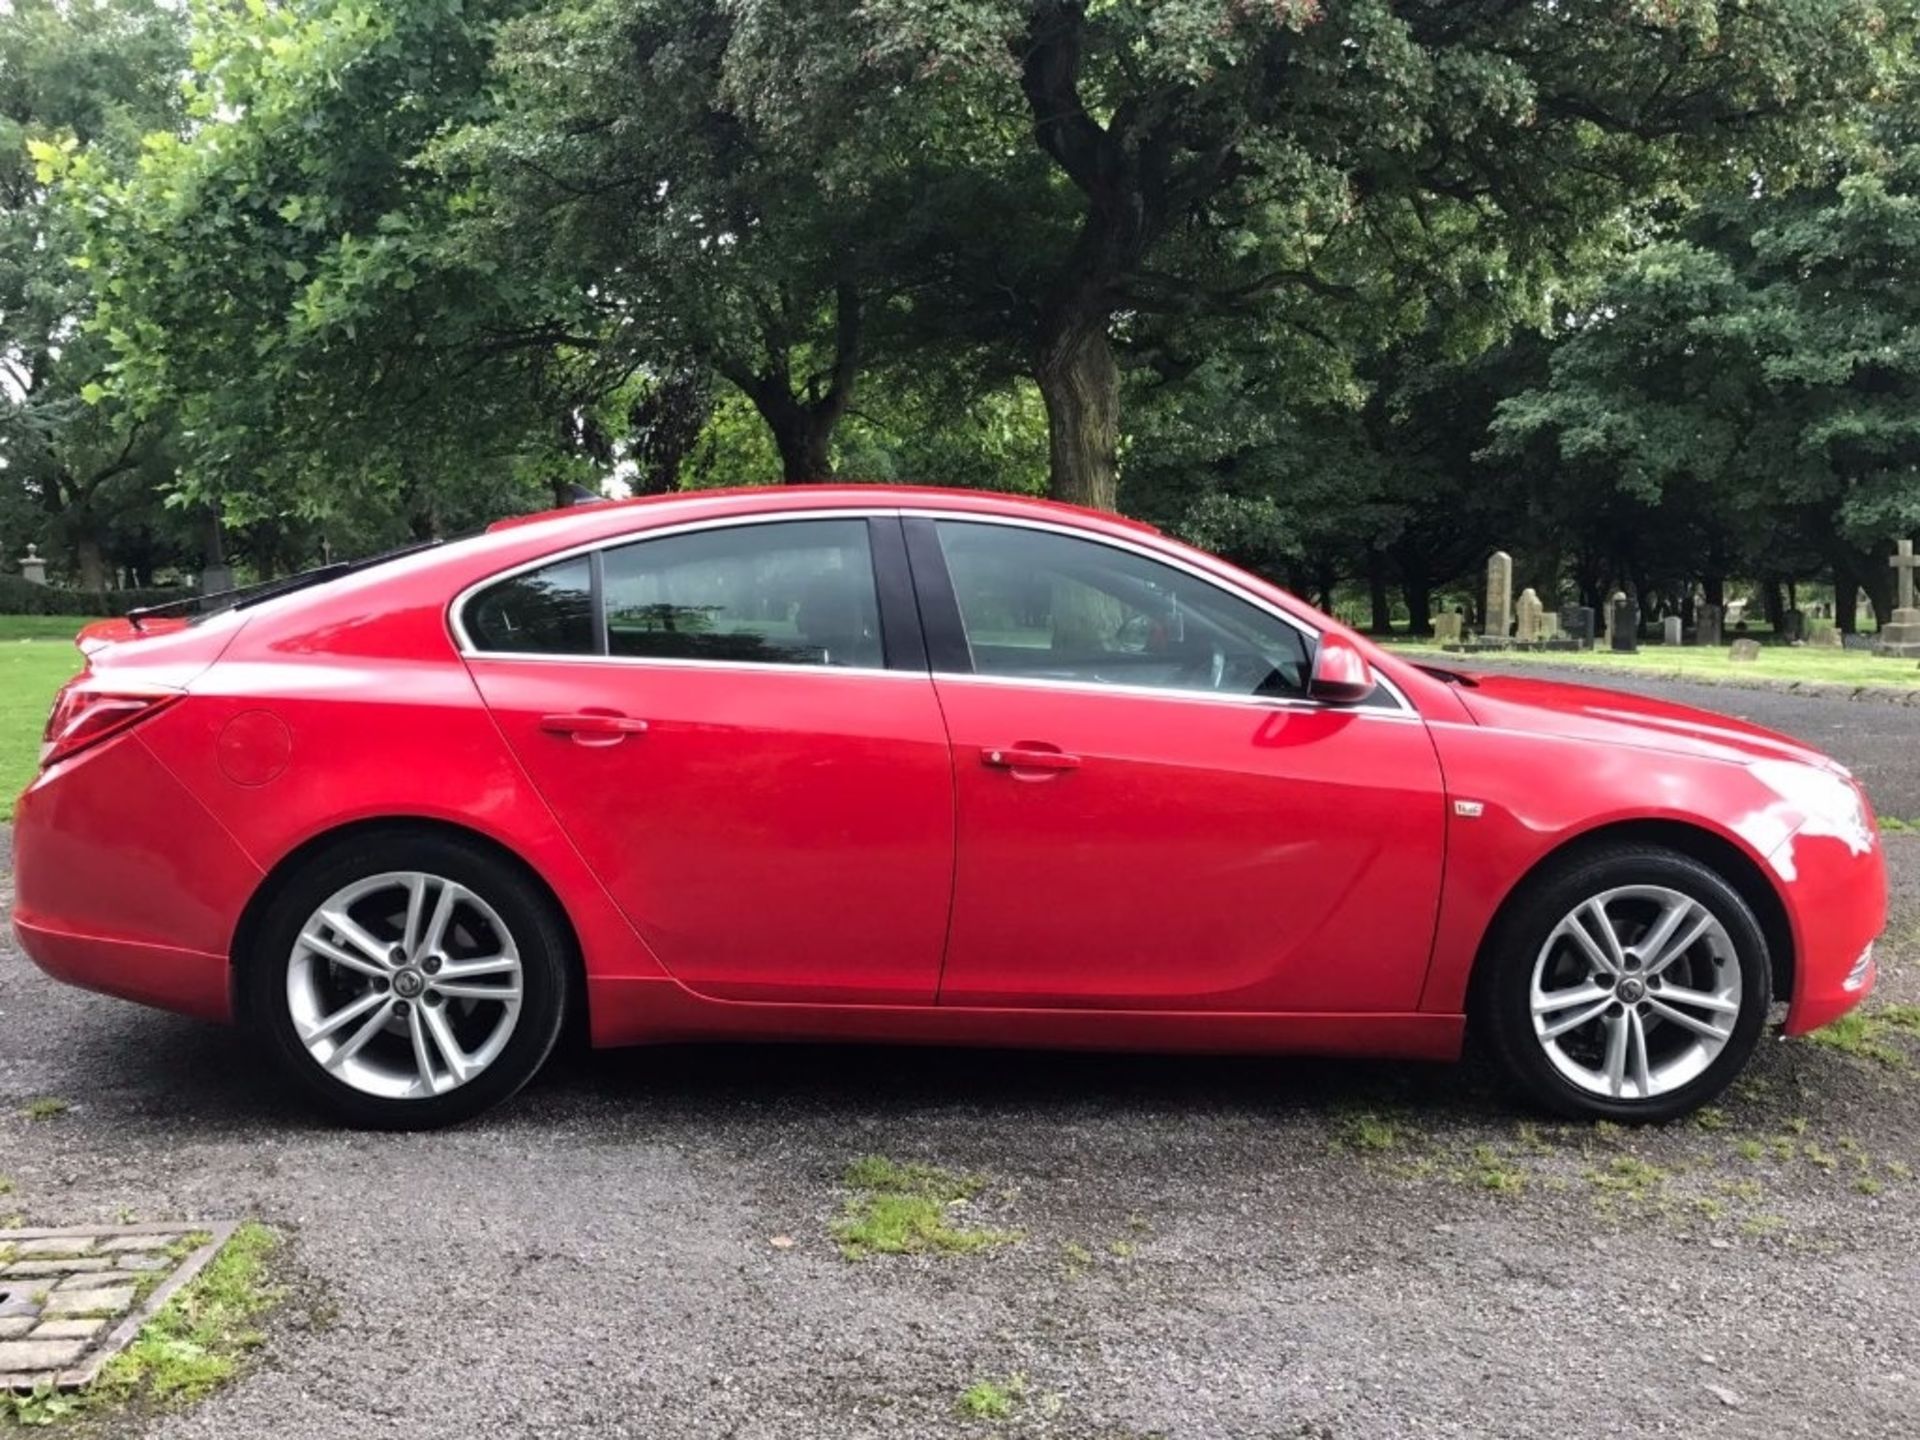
<point x="83" y="716"/>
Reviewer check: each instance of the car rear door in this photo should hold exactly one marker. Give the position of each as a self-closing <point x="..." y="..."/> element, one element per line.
<point x="1151" y="813"/>
<point x="735" y="725"/>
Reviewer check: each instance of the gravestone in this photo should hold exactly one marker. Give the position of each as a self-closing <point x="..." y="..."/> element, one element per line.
<point x="1530" y="629"/>
<point x="1607" y="614"/>
<point x="1671" y="630"/>
<point x="1793" y="627"/>
<point x="1626" y="623"/>
<point x="1824" y="635"/>
<point x="1707" y="623"/>
<point x="1446" y="627"/>
<point x="1900" y="637"/>
<point x="1745" y="650"/>
<point x="216" y="579"/>
<point x="1576" y="623"/>
<point x="1499" y="596"/>
<point x="33" y="569"/>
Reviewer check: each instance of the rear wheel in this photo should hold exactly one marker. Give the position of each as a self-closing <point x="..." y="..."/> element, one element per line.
<point x="410" y="981"/>
<point x="1631" y="984"/>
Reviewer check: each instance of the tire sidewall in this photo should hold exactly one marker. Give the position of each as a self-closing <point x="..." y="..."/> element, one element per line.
<point x="528" y="914"/>
<point x="1505" y="1003"/>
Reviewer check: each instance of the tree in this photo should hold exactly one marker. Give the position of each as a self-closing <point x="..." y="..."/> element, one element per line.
<point x="277" y="272"/>
<point x="75" y="78"/>
<point x="1219" y="159"/>
<point x="1756" y="381"/>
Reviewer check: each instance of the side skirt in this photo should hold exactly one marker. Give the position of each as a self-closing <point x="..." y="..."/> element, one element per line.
<point x="641" y="1012"/>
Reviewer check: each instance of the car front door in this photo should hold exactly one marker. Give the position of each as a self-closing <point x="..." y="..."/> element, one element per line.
<point x="1151" y="813"/>
<point x="744" y="745"/>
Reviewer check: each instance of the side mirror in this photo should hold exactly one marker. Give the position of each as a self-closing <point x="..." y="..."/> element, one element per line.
<point x="1341" y="674"/>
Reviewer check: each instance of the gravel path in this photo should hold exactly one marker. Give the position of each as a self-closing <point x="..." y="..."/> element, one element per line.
<point x="1211" y="1248"/>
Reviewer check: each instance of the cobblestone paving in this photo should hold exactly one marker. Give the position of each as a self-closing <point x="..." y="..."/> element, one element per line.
<point x="70" y="1299"/>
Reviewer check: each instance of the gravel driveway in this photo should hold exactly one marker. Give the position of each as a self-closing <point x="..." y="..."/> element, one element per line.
<point x="1210" y="1248"/>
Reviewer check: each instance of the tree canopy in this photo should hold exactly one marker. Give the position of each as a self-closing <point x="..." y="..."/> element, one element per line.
<point x="1355" y="290"/>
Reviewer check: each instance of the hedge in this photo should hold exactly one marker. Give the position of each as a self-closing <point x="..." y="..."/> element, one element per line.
<point x="23" y="597"/>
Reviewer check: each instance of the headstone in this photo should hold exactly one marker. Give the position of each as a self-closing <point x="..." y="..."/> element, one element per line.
<point x="216" y="579"/>
<point x="1793" y="627"/>
<point x="33" y="569"/>
<point x="1626" y="623"/>
<point x="1671" y="630"/>
<point x="1900" y="637"/>
<point x="1606" y="615"/>
<point x="1530" y="628"/>
<point x="1499" y="596"/>
<point x="1745" y="650"/>
<point x="1576" y="623"/>
<point x="1446" y="627"/>
<point x="1707" y="623"/>
<point x="1824" y="635"/>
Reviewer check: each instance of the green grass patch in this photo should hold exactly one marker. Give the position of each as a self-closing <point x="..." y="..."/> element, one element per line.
<point x="909" y="1209"/>
<point x="44" y="627"/>
<point x="1790" y="664"/>
<point x="993" y="1399"/>
<point x="30" y="672"/>
<point x="195" y="1344"/>
<point x="1871" y="1034"/>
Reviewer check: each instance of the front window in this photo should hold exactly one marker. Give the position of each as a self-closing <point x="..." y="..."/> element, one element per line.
<point x="1043" y="606"/>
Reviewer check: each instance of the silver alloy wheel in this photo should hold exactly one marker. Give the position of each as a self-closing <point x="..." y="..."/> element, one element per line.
<point x="1636" y="992"/>
<point x="404" y="985"/>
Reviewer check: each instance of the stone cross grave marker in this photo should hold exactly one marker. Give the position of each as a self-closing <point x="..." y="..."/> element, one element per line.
<point x="1901" y="636"/>
<point x="1499" y="595"/>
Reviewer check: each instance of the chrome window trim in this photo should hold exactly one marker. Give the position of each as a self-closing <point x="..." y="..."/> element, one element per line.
<point x="1204" y="697"/>
<point x="1173" y="562"/>
<point x="463" y="642"/>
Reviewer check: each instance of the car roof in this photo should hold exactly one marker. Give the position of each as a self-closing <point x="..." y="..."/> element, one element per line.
<point x="750" y="499"/>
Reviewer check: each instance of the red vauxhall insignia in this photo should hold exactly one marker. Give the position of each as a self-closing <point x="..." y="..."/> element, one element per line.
<point x="875" y="763"/>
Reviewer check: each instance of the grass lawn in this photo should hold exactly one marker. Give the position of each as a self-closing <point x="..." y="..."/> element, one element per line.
<point x="1776" y="662"/>
<point x="31" y="669"/>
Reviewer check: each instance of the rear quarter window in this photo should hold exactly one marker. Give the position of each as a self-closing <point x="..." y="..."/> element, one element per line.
<point x="548" y="611"/>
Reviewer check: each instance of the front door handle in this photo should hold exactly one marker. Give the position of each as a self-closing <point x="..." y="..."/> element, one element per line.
<point x="1029" y="757"/>
<point x="593" y="727"/>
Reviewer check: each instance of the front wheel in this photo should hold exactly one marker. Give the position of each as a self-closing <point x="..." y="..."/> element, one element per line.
<point x="407" y="982"/>
<point x="1631" y="984"/>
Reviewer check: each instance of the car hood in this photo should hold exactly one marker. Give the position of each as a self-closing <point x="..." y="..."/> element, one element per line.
<point x="1611" y="717"/>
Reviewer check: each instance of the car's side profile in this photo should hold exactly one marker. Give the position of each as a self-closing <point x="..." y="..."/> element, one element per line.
<point x="882" y="763"/>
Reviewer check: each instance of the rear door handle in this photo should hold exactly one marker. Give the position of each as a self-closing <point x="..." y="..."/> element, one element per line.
<point x="593" y="727"/>
<point x="1029" y="757"/>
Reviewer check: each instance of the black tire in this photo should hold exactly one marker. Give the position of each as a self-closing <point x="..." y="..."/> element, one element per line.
<point x="538" y="933"/>
<point x="1502" y="1011"/>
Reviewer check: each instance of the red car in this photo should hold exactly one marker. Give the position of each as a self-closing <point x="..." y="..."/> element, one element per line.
<point x="889" y="764"/>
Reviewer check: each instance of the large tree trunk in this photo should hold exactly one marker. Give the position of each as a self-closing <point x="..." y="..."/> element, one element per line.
<point x="1080" y="383"/>
<point x="90" y="561"/>
<point x="1380" y="598"/>
<point x="805" y="442"/>
<point x="802" y="424"/>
